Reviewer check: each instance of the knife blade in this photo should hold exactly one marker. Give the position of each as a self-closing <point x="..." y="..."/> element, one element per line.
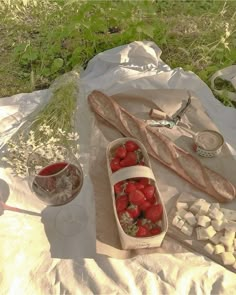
<point x="177" y="117"/>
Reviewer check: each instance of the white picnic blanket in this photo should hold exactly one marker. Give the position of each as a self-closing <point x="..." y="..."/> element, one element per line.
<point x="35" y="259"/>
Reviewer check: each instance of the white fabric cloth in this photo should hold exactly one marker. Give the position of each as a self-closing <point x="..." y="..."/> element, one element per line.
<point x="138" y="65"/>
<point x="28" y="267"/>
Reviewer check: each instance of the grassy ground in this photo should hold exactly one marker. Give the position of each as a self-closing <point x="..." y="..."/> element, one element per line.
<point x="40" y="40"/>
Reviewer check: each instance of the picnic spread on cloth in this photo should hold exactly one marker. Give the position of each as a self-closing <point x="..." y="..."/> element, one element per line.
<point x="183" y="140"/>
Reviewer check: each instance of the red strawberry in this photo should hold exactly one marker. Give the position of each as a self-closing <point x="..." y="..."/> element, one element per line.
<point x="139" y="185"/>
<point x="129" y="160"/>
<point x="155" y="231"/>
<point x="142" y="231"/>
<point x="121" y="152"/>
<point x="118" y="187"/>
<point x="144" y="181"/>
<point x="148" y="191"/>
<point x="145" y="205"/>
<point x="154" y="213"/>
<point x="121" y="203"/>
<point x="153" y="200"/>
<point x="136" y="197"/>
<point x="115" y="164"/>
<point x="134" y="211"/>
<point x="131" y="146"/>
<point x="130" y="187"/>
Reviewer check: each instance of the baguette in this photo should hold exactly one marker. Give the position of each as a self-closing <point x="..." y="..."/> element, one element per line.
<point x="162" y="148"/>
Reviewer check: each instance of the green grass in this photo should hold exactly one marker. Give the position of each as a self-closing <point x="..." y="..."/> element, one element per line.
<point x="40" y="40"/>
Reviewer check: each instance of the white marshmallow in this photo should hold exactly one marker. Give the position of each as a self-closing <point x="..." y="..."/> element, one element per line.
<point x="201" y="233"/>
<point x="196" y="205"/>
<point x="204" y="208"/>
<point x="230" y="249"/>
<point x="228" y="258"/>
<point x="187" y="229"/>
<point x="210" y="231"/>
<point x="218" y="224"/>
<point x="216" y="214"/>
<point x="226" y="241"/>
<point x="178" y="221"/>
<point x="219" y="249"/>
<point x="181" y="205"/>
<point x="190" y="218"/>
<point x="216" y="238"/>
<point x="230" y="235"/>
<point x="204" y="221"/>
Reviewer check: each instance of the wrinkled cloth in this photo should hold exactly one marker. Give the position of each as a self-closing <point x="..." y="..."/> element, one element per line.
<point x="35" y="259"/>
<point x="170" y="184"/>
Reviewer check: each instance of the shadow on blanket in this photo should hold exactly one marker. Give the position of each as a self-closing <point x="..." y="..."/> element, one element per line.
<point x="5" y="191"/>
<point x="69" y="228"/>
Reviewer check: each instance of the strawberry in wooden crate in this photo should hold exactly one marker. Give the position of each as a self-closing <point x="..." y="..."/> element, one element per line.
<point x="138" y="207"/>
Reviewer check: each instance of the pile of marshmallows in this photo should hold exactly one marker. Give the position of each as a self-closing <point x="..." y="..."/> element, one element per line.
<point x="212" y="224"/>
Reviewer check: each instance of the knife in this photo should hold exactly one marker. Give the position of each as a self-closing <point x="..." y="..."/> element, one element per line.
<point x="177" y="117"/>
<point x="174" y="120"/>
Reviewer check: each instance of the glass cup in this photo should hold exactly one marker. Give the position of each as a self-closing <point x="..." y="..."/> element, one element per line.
<point x="55" y="175"/>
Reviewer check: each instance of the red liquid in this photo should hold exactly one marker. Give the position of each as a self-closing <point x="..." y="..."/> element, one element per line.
<point x="53" y="169"/>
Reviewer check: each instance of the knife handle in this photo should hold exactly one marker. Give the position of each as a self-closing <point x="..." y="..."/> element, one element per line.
<point x="157" y="114"/>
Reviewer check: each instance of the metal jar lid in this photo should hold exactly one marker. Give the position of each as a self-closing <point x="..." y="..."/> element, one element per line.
<point x="208" y="143"/>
